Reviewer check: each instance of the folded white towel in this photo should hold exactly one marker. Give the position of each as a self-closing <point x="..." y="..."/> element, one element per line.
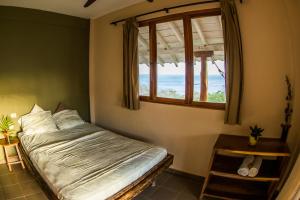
<point x="255" y="167"/>
<point x="244" y="168"/>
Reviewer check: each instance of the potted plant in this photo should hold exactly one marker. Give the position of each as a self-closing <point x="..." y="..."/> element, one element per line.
<point x="255" y="134"/>
<point x="6" y="127"/>
<point x="288" y="111"/>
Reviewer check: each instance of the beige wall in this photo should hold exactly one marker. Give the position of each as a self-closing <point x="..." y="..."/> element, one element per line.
<point x="292" y="8"/>
<point x="291" y="189"/>
<point x="189" y="133"/>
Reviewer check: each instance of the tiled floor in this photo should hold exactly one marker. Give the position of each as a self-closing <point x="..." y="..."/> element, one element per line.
<point x="20" y="185"/>
<point x="172" y="187"/>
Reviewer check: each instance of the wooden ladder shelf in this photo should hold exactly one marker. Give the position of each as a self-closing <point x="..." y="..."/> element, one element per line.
<point x="223" y="181"/>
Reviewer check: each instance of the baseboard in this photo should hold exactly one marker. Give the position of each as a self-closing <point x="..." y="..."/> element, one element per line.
<point x="185" y="174"/>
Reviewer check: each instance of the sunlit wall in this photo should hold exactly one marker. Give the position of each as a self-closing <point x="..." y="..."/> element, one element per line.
<point x="43" y="60"/>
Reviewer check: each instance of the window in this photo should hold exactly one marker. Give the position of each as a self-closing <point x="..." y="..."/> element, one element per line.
<point x="170" y="60"/>
<point x="144" y="61"/>
<point x="181" y="59"/>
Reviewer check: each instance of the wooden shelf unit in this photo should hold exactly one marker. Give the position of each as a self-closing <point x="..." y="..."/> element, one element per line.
<point x="223" y="181"/>
<point x="236" y="189"/>
<point x="267" y="171"/>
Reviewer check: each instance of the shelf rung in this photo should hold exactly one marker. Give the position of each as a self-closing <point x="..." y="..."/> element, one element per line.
<point x="236" y="189"/>
<point x="236" y="176"/>
<point x="255" y="153"/>
<point x="219" y="197"/>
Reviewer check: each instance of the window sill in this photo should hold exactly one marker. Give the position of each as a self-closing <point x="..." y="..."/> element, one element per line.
<point x="179" y="102"/>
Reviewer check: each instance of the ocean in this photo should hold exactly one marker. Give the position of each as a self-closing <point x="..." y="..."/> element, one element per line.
<point x="177" y="82"/>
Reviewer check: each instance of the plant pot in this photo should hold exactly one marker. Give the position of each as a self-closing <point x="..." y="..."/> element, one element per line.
<point x="6" y="136"/>
<point x="252" y="140"/>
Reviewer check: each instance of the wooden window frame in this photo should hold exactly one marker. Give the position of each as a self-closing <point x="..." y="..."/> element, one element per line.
<point x="186" y="17"/>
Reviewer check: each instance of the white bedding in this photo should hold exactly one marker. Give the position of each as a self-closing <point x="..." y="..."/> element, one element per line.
<point x="88" y="162"/>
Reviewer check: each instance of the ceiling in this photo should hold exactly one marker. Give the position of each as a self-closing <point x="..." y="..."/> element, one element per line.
<point x="73" y="7"/>
<point x="207" y="36"/>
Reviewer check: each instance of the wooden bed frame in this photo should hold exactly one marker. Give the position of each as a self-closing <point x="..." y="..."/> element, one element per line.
<point x="129" y="192"/>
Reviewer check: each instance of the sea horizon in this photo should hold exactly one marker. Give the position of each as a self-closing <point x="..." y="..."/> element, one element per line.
<point x="177" y="82"/>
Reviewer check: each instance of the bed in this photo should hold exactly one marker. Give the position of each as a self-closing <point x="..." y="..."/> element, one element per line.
<point x="87" y="162"/>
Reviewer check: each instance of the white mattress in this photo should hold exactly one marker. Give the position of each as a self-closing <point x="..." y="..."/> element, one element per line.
<point x="88" y="162"/>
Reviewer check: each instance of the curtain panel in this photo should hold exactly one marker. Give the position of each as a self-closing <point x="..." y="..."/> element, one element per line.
<point x="233" y="61"/>
<point x="130" y="65"/>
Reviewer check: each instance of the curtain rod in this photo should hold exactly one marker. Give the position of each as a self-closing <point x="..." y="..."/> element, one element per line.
<point x="168" y="9"/>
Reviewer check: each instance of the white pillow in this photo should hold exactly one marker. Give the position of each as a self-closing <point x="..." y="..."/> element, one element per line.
<point x="36" y="109"/>
<point x="36" y="123"/>
<point x="67" y="119"/>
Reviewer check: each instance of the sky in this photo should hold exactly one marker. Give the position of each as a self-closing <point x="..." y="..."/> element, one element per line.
<point x="171" y="69"/>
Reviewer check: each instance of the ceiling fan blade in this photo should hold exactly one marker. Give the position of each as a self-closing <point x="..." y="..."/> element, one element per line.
<point x="88" y="3"/>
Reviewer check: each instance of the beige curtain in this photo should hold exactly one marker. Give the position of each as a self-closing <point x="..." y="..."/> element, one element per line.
<point x="130" y="65"/>
<point x="233" y="61"/>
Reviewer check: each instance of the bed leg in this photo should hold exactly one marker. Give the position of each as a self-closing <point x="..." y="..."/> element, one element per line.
<point x="153" y="184"/>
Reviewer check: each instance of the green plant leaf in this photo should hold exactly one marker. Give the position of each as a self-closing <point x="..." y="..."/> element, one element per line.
<point x="5" y="123"/>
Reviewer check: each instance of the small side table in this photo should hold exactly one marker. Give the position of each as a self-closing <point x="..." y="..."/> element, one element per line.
<point x="13" y="143"/>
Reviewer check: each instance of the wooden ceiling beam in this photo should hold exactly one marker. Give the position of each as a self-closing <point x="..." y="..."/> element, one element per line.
<point x="176" y="31"/>
<point x="199" y="31"/>
<point x="220" y="20"/>
<point x="143" y="42"/>
<point x="143" y="60"/>
<point x="210" y="47"/>
<point x="174" y="57"/>
<point x="203" y="53"/>
<point x="160" y="61"/>
<point x="161" y="40"/>
<point x="146" y="45"/>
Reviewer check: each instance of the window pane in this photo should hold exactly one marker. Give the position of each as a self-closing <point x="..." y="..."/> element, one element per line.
<point x="144" y="63"/>
<point x="197" y="83"/>
<point x="216" y="81"/>
<point x="170" y="60"/>
<point x="208" y="46"/>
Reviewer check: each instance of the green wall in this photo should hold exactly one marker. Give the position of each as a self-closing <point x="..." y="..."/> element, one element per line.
<point x="44" y="59"/>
